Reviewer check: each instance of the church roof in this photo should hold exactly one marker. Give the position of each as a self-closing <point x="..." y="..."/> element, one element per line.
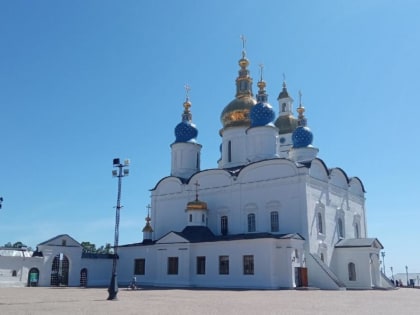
<point x="359" y="242"/>
<point x="198" y="234"/>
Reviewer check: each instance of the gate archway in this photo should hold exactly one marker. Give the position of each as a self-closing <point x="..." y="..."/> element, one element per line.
<point x="83" y="277"/>
<point x="60" y="270"/>
<point x="33" y="277"/>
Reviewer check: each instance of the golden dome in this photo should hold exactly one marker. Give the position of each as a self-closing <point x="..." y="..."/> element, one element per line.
<point x="286" y="124"/>
<point x="236" y="113"/>
<point x="147" y="228"/>
<point x="197" y="205"/>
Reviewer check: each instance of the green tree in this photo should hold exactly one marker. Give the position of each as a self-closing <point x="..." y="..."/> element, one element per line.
<point x="88" y="247"/>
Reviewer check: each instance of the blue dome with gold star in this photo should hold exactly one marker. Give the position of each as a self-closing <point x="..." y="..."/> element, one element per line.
<point x="302" y="137"/>
<point x="261" y="114"/>
<point x="186" y="131"/>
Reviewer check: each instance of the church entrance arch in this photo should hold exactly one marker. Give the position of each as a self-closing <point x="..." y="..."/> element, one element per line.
<point x="33" y="277"/>
<point x="60" y="270"/>
<point x="83" y="277"/>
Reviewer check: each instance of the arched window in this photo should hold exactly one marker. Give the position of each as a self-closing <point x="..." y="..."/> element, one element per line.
<point x="229" y="151"/>
<point x="14" y="273"/>
<point x="283" y="107"/>
<point x="190" y="217"/>
<point x="352" y="271"/>
<point x="274" y="220"/>
<point x="320" y="225"/>
<point x="340" y="228"/>
<point x="251" y="222"/>
<point x="322" y="257"/>
<point x="224" y="225"/>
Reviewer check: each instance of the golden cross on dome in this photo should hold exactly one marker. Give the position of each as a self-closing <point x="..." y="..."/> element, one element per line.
<point x="187" y="90"/>
<point x="196" y="190"/>
<point x="261" y="70"/>
<point x="148" y="213"/>
<point x="243" y="45"/>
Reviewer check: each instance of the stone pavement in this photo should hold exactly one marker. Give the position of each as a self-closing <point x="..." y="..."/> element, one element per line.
<point x="185" y="301"/>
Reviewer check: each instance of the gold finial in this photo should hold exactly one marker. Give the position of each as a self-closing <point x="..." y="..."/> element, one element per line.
<point x="243" y="45"/>
<point x="187" y="103"/>
<point x="300" y="109"/>
<point x="284" y="80"/>
<point x="261" y="83"/>
<point x="148" y="213"/>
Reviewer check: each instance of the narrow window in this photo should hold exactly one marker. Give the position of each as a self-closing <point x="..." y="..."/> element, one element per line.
<point x="224" y="225"/>
<point x="198" y="161"/>
<point x="340" y="228"/>
<point x="139" y="266"/>
<point x="274" y="218"/>
<point x="201" y="265"/>
<point x="63" y="242"/>
<point x="248" y="265"/>
<point x="352" y="271"/>
<point x="322" y="257"/>
<point x="14" y="273"/>
<point x="251" y="222"/>
<point x="202" y="218"/>
<point x="356" y="231"/>
<point x="229" y="151"/>
<point x="172" y="265"/>
<point x="320" y="226"/>
<point x="190" y="217"/>
<point x="223" y="265"/>
<point x="283" y="107"/>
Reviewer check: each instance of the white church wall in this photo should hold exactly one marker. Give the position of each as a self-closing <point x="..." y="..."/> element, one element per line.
<point x="342" y="257"/>
<point x="99" y="271"/>
<point x="234" y="150"/>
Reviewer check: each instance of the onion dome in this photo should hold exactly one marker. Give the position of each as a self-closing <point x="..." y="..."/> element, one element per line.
<point x="147" y="227"/>
<point x="302" y="136"/>
<point x="236" y="113"/>
<point x="262" y="113"/>
<point x="196" y="204"/>
<point x="186" y="131"/>
<point x="286" y="124"/>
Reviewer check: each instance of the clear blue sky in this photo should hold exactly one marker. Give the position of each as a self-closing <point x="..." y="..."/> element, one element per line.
<point x="82" y="82"/>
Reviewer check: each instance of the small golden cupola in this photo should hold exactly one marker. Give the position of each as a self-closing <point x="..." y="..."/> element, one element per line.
<point x="196" y="210"/>
<point x="236" y="113"/>
<point x="147" y="230"/>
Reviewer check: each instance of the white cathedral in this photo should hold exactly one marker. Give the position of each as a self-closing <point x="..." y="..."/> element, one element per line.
<point x="271" y="215"/>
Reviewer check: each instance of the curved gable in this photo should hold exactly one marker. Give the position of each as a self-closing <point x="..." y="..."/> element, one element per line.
<point x="356" y="186"/>
<point x="338" y="178"/>
<point x="211" y="178"/>
<point x="169" y="185"/>
<point x="319" y="170"/>
<point x="268" y="169"/>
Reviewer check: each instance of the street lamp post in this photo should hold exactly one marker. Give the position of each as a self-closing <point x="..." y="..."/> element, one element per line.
<point x="406" y="272"/>
<point x="120" y="173"/>
<point x="383" y="260"/>
<point x="392" y="273"/>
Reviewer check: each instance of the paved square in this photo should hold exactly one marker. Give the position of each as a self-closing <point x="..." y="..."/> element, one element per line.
<point x="183" y="301"/>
